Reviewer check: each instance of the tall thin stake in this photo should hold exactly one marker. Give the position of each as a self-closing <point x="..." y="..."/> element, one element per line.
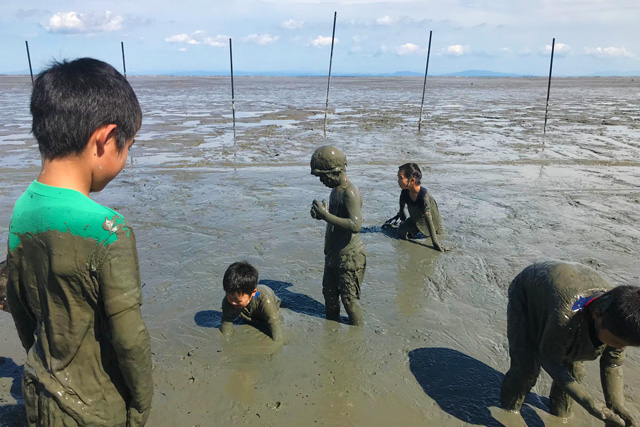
<point x="233" y="98"/>
<point x="124" y="65"/>
<point x="326" y="106"/>
<point x="29" y="58"/>
<point x="546" y="108"/>
<point x="424" y="85"/>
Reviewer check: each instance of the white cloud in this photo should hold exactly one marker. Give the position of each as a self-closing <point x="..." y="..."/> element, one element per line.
<point x="261" y="39"/>
<point x="198" y="37"/>
<point x="359" y="39"/>
<point x="559" y="48"/>
<point x="217" y="41"/>
<point x="609" y="52"/>
<point x="387" y="20"/>
<point x="182" y="49"/>
<point x="408" y="49"/>
<point x="457" y="50"/>
<point x="322" y="41"/>
<point x="292" y="24"/>
<point x="78" y="23"/>
<point x="178" y="38"/>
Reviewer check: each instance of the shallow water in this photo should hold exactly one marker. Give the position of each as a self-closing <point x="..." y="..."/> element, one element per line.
<point x="434" y="348"/>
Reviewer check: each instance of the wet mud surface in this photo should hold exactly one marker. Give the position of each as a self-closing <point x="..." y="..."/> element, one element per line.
<point x="434" y="349"/>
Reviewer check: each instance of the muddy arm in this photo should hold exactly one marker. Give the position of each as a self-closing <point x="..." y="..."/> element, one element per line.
<point x="272" y="313"/>
<point x="226" y="327"/>
<point x="432" y="232"/>
<point x="352" y="223"/>
<point x="228" y="316"/>
<point x="118" y="279"/>
<point x="561" y="375"/>
<point x="276" y="331"/>
<point x="613" y="384"/>
<point x="131" y="344"/>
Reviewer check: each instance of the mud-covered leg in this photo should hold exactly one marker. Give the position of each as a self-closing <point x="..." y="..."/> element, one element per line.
<point x="331" y="294"/>
<point x="517" y="383"/>
<point x="559" y="400"/>
<point x="403" y="231"/>
<point x="350" y="283"/>
<point x="524" y="370"/>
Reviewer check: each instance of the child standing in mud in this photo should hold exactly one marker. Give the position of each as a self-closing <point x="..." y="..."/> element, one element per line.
<point x="424" y="215"/>
<point x="345" y="260"/>
<point x="246" y="299"/>
<point x="562" y="314"/>
<point x="74" y="282"/>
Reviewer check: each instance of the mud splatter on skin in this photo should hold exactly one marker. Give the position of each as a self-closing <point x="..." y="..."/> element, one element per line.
<point x="507" y="194"/>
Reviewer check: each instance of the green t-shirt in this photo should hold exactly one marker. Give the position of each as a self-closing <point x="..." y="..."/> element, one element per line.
<point x="73" y="265"/>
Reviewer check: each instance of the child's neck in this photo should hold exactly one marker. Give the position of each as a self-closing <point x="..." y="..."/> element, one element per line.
<point x="66" y="172"/>
<point x="413" y="191"/>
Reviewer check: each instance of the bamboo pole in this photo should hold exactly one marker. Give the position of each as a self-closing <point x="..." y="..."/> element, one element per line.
<point x="326" y="106"/>
<point x="29" y="59"/>
<point x="546" y="108"/>
<point x="124" y="65"/>
<point x="233" y="99"/>
<point x="424" y="85"/>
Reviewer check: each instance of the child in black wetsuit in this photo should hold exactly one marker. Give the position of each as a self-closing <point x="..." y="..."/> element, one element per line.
<point x="423" y="210"/>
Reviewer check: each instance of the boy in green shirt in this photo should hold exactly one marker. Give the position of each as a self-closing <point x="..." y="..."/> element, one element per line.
<point x="74" y="282"/>
<point x="559" y="315"/>
<point x="246" y="299"/>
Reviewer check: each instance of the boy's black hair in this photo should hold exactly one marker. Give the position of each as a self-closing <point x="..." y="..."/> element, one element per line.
<point x="411" y="170"/>
<point x="620" y="311"/>
<point x="240" y="278"/>
<point x="70" y="100"/>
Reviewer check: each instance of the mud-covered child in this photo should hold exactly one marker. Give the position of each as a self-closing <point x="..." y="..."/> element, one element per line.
<point x="424" y="215"/>
<point x="74" y="281"/>
<point x="344" y="257"/>
<point x="559" y="315"/>
<point x="246" y="299"/>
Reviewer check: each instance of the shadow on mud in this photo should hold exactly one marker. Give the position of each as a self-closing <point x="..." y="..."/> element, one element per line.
<point x="300" y="303"/>
<point x="14" y="414"/>
<point x="464" y="387"/>
<point x="208" y="318"/>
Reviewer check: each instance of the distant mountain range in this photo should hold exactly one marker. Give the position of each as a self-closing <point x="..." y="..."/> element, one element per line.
<point x="466" y="73"/>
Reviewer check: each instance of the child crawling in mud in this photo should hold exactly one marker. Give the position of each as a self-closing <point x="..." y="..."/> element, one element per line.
<point x="424" y="215"/>
<point x="344" y="257"/>
<point x="559" y="315"/>
<point x="246" y="299"/>
<point x="74" y="282"/>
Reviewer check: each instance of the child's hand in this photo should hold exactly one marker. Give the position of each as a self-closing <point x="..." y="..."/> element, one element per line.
<point x="319" y="210"/>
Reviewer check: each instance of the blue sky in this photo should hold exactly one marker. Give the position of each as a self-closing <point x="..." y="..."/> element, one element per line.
<point x="372" y="36"/>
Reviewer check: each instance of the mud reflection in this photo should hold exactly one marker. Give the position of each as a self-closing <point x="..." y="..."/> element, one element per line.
<point x="465" y="387"/>
<point x="415" y="265"/>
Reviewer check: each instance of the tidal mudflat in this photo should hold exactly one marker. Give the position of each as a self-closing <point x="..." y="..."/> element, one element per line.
<point x="434" y="349"/>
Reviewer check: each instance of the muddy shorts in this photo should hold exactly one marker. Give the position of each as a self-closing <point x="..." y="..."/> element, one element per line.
<point x="346" y="278"/>
<point x="41" y="407"/>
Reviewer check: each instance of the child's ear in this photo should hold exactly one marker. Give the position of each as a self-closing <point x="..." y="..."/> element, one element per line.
<point x="102" y="136"/>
